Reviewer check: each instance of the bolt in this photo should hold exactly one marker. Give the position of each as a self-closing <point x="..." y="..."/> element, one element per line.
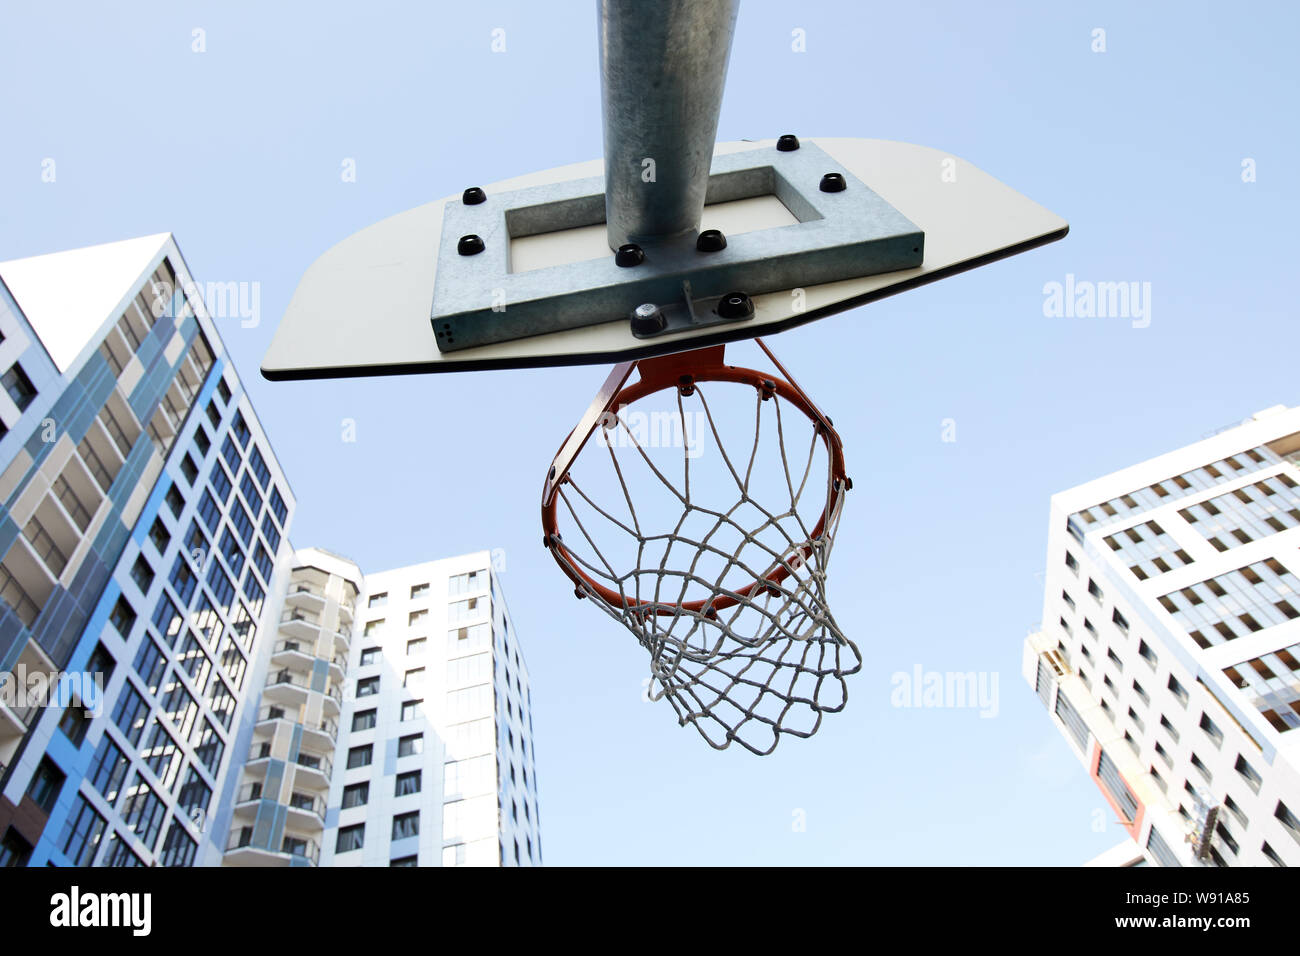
<point x="473" y="196"/>
<point x="686" y="385"/>
<point x="710" y="240"/>
<point x="735" y="305"/>
<point x="833" y="183"/>
<point x="470" y="245"/>
<point x="648" y="319"/>
<point x="788" y="143"/>
<point x="629" y="254"/>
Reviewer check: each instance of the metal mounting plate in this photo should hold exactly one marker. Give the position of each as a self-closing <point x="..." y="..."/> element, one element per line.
<point x="478" y="300"/>
<point x="363" y="308"/>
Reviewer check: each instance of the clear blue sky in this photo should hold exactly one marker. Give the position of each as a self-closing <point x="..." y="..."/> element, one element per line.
<point x="238" y="151"/>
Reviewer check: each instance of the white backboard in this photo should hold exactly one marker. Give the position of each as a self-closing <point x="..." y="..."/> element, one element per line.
<point x="363" y="308"/>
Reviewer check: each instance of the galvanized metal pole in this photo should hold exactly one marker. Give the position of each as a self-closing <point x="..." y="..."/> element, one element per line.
<point x="662" y="69"/>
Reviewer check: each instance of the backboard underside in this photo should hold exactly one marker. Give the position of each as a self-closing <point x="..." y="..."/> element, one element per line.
<point x="363" y="308"/>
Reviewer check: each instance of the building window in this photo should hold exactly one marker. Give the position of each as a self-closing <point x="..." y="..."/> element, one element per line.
<point x="81" y="833"/>
<point x="360" y="756"/>
<point x="406" y="825"/>
<point x="356" y="795"/>
<point x="142" y="574"/>
<point x="466" y="583"/>
<point x="278" y="507"/>
<point x="130" y="714"/>
<point x="1160" y="849"/>
<point x="406" y="861"/>
<point x="370" y="655"/>
<point x="223" y="390"/>
<point x="414" y="678"/>
<point x="416" y="646"/>
<point x="350" y="838"/>
<point x="1249" y="774"/>
<point x="220" y="482"/>
<point x="201" y="441"/>
<point x="175" y="500"/>
<point x="150" y="662"/>
<point x="182" y="579"/>
<point x="45" y="784"/>
<point x="378" y="600"/>
<point x="108" y="769"/>
<point x="1148" y="655"/>
<point x="1114" y="783"/>
<point x="407" y="784"/>
<point x="416" y="617"/>
<point x="122" y="616"/>
<point x="74" y="722"/>
<point x="411" y="709"/>
<point x="14" y="850"/>
<point x="209" y="512"/>
<point x="19" y="387"/>
<point x="178" y="849"/>
<point x="194" y="794"/>
<point x="1288" y="820"/>
<point x="410" y="745"/>
<point x="1211" y="730"/>
<point x="1178" y="690"/>
<point x="363" y="720"/>
<point x="1169" y="728"/>
<point x="368" y="687"/>
<point x="1095" y="591"/>
<point x="1203" y="770"/>
<point x="1070" y="717"/>
<point x="419" y="591"/>
<point x="373" y="627"/>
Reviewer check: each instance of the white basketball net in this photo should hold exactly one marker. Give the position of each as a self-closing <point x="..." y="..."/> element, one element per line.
<point x="773" y="662"/>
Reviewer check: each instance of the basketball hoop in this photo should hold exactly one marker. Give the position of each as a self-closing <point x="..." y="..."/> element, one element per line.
<point x="728" y="595"/>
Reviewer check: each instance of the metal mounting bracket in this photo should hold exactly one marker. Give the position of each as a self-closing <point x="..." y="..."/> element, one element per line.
<point x="844" y="234"/>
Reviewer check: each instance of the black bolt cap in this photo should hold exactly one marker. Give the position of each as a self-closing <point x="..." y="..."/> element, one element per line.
<point x="473" y="196"/>
<point x="710" y="240"/>
<point x="629" y="254"/>
<point x="788" y="143"/>
<point x="470" y="245"/>
<point x="735" y="305"/>
<point x="648" y="319"/>
<point x="833" y="183"/>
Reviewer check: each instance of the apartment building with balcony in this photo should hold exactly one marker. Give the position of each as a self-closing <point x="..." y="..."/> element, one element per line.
<point x="430" y="743"/>
<point x="143" y="531"/>
<point x="280" y="808"/>
<point x="1169" y="649"/>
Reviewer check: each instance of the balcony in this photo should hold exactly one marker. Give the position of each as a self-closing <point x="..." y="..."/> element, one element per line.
<point x="287" y="687"/>
<point x="290" y="652"/>
<point x="299" y="624"/>
<point x="304" y="596"/>
<point x="260" y="751"/>
<point x="313" y="770"/>
<point x="242" y="851"/>
<point x="310" y="807"/>
<point x="323" y="734"/>
<point x="342" y="642"/>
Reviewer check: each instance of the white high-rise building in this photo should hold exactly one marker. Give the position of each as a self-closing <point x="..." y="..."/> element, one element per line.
<point x="395" y="725"/>
<point x="1169" y="653"/>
